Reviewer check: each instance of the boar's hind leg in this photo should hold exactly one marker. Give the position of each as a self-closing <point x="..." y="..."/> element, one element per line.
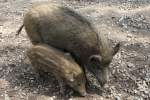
<point x="41" y="64"/>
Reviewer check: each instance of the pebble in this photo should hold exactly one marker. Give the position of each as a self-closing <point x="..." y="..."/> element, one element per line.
<point x="130" y="65"/>
<point x="35" y="92"/>
<point x="117" y="98"/>
<point x="1" y="68"/>
<point x="137" y="98"/>
<point x="129" y="35"/>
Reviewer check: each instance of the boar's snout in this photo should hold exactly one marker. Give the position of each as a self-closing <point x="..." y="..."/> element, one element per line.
<point x="103" y="76"/>
<point x="99" y="70"/>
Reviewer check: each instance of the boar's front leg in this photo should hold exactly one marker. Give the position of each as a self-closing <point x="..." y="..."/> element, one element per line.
<point x="41" y="64"/>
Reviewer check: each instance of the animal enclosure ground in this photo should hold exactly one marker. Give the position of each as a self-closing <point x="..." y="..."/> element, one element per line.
<point x="125" y="21"/>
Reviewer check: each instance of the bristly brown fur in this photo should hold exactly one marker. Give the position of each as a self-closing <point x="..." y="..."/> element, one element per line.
<point x="48" y="59"/>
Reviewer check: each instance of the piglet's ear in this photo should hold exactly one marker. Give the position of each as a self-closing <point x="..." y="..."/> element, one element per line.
<point x="95" y="58"/>
<point x="116" y="48"/>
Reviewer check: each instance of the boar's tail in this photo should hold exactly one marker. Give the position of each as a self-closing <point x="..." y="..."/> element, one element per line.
<point x="19" y="30"/>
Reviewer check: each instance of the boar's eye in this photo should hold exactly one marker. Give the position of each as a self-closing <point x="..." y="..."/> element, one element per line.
<point x="95" y="58"/>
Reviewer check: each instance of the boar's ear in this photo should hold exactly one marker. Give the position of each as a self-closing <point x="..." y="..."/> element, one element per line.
<point x="95" y="58"/>
<point x="116" y="48"/>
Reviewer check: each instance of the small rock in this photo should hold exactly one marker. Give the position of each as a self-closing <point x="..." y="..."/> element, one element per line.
<point x="3" y="84"/>
<point x="130" y="65"/>
<point x="7" y="97"/>
<point x="147" y="77"/>
<point x="106" y="86"/>
<point x="117" y="98"/>
<point x="1" y="68"/>
<point x="12" y="65"/>
<point x="137" y="98"/>
<point x="135" y="91"/>
<point x="147" y="92"/>
<point x="129" y="35"/>
<point x="132" y="77"/>
<point x="35" y="92"/>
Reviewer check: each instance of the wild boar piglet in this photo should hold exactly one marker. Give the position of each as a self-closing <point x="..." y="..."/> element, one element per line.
<point x="48" y="59"/>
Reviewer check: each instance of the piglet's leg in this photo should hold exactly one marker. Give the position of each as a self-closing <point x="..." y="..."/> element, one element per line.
<point x="34" y="59"/>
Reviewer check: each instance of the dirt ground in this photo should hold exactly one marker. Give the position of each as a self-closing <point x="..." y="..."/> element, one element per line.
<point x="125" y="21"/>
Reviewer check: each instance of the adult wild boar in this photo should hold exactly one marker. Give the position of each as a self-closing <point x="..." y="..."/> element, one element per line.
<point x="67" y="30"/>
